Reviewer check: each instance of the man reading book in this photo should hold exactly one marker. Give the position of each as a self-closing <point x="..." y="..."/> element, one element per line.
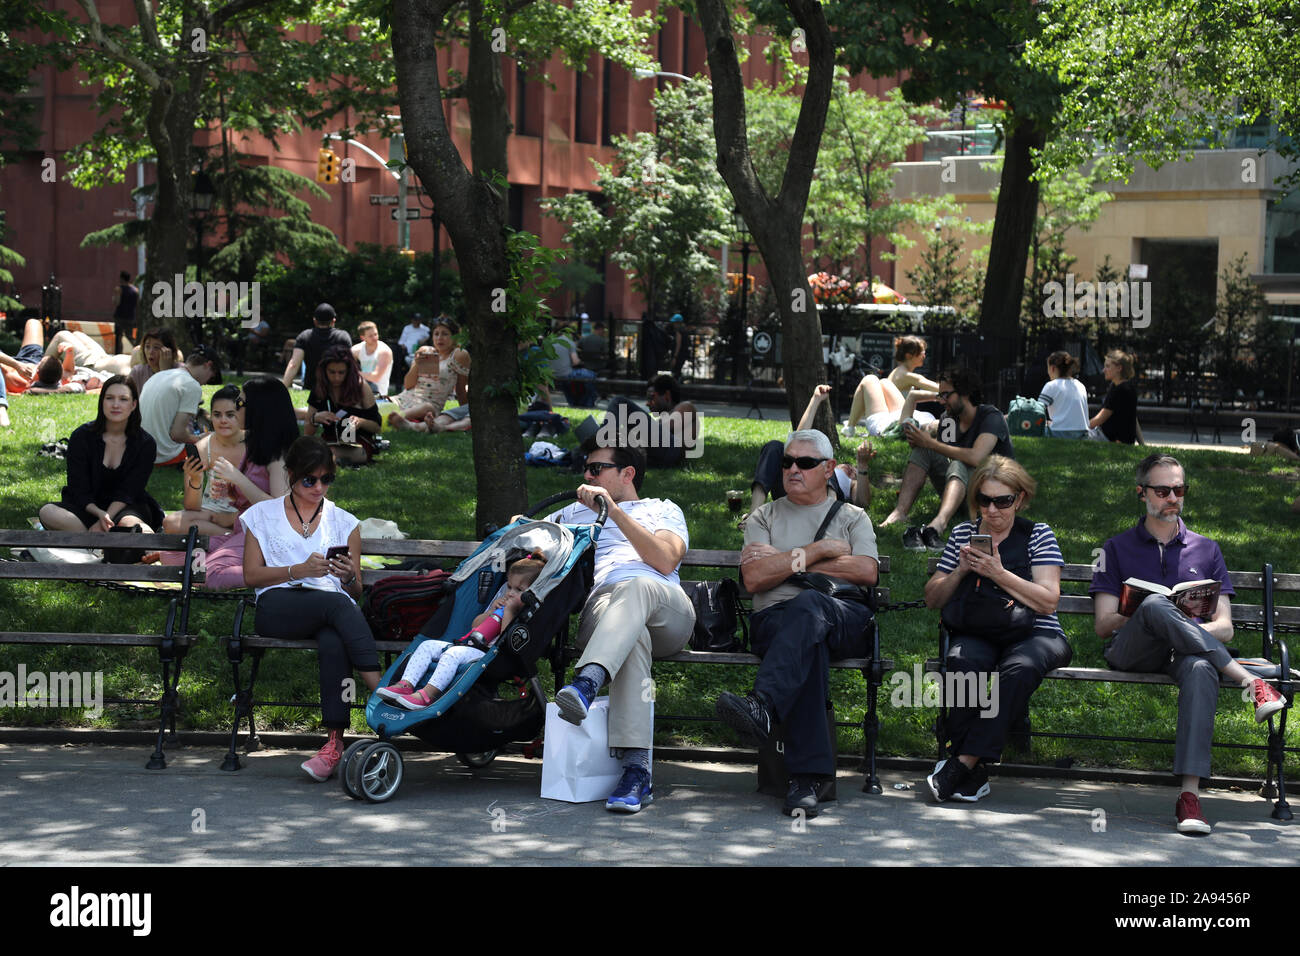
<point x="1160" y="637"/>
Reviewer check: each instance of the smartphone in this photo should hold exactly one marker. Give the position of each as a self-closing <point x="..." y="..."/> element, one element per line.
<point x="192" y="453"/>
<point x="982" y="542"/>
<point x="337" y="551"/>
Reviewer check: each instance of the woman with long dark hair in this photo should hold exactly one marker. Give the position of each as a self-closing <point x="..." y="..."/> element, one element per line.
<point x="210" y="500"/>
<point x="343" y="407"/>
<point x="270" y="429"/>
<point x="438" y="371"/>
<point x="156" y="353"/>
<point x="109" y="464"/>
<point x="303" y="592"/>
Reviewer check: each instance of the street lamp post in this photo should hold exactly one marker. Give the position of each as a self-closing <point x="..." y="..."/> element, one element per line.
<point x="743" y="234"/>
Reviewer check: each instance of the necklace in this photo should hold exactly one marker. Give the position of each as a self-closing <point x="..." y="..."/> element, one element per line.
<point x="306" y="525"/>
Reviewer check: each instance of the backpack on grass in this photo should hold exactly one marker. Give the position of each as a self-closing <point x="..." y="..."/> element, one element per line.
<point x="1026" y="417"/>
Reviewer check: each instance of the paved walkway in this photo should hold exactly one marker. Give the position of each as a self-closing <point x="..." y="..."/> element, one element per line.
<point x="97" y="805"/>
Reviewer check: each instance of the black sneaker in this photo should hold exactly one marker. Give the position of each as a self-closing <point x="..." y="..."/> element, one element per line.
<point x="930" y="538"/>
<point x="975" y="786"/>
<point x="913" y="540"/>
<point x="747" y="716"/>
<point x="949" y="776"/>
<point x="802" y="795"/>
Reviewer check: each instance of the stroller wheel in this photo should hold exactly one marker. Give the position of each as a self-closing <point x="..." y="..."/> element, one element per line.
<point x="347" y="765"/>
<point x="379" y="771"/>
<point x="478" y="760"/>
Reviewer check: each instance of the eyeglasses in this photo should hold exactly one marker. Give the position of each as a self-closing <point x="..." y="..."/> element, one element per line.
<point x="943" y="396"/>
<point x="1001" y="502"/>
<point x="1164" y="491"/>
<point x="596" y="467"/>
<point x="804" y="462"/>
<point x="309" y="481"/>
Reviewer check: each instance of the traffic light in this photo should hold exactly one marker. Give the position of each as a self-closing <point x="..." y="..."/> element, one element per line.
<point x="327" y="166"/>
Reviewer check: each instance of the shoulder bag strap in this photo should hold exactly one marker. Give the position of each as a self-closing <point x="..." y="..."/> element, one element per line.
<point x="826" y="522"/>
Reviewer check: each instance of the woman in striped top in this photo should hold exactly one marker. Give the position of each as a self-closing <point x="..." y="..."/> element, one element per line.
<point x="1025" y="564"/>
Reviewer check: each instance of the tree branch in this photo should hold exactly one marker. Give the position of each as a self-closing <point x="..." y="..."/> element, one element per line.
<point x="148" y="25"/>
<point x="234" y="9"/>
<point x="113" y="50"/>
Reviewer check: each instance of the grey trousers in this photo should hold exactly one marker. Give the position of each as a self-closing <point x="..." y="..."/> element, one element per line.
<point x="624" y="626"/>
<point x="1161" y="639"/>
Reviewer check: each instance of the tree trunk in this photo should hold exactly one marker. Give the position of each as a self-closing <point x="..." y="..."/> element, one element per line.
<point x="1013" y="229"/>
<point x="473" y="208"/>
<point x="777" y="223"/>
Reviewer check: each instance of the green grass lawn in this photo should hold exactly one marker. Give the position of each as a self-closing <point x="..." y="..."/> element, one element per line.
<point x="426" y="485"/>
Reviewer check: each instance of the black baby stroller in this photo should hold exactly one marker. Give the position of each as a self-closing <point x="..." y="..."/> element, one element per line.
<point x="469" y="719"/>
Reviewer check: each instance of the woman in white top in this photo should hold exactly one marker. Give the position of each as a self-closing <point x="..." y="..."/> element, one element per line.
<point x="885" y="401"/>
<point x="1065" y="397"/>
<point x="303" y="592"/>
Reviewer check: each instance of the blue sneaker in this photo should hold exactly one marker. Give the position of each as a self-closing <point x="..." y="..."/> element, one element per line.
<point x="575" y="699"/>
<point x="632" y="791"/>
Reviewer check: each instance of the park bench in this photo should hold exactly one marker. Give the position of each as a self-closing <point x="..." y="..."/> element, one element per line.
<point x="172" y="638"/>
<point x="1265" y="617"/>
<point x="872" y="667"/>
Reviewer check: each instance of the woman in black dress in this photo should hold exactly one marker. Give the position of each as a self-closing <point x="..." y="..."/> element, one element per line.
<point x="109" y="464"/>
<point x="343" y="407"/>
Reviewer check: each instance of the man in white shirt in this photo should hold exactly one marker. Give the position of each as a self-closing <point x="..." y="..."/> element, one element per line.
<point x="637" y="610"/>
<point x="413" y="336"/>
<point x="374" y="357"/>
<point x="170" y="400"/>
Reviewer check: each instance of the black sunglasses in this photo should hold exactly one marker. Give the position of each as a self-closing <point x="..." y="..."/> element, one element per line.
<point x="309" y="481"/>
<point x="1001" y="502"/>
<point x="596" y="467"/>
<point x="1164" y="491"/>
<point x="804" y="462"/>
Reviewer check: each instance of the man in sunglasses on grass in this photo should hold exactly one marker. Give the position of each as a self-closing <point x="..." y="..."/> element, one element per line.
<point x="798" y="630"/>
<point x="636" y="611"/>
<point x="946" y="452"/>
<point x="1161" y="638"/>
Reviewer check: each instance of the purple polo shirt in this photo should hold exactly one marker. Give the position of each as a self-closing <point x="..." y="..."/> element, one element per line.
<point x="1136" y="554"/>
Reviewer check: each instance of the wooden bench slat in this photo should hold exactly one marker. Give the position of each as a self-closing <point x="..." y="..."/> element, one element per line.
<point x="58" y="571"/>
<point x="121" y="640"/>
<point x="94" y="539"/>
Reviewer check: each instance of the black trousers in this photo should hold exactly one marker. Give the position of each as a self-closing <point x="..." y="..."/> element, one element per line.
<point x="797" y="640"/>
<point x="342" y="636"/>
<point x="1020" y="667"/>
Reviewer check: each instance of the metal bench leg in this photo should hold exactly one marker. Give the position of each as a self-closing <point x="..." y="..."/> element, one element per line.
<point x="1276" y="755"/>
<point x="243" y="701"/>
<point x="166" y="709"/>
<point x="870" y="734"/>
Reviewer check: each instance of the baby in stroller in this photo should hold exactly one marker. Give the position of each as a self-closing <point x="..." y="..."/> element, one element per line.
<point x="450" y="655"/>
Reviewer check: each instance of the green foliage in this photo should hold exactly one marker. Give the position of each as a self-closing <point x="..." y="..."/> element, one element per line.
<point x="940" y="278"/>
<point x="665" y="208"/>
<point x="532" y="279"/>
<point x="9" y="258"/>
<point x="374" y="282"/>
<point x="848" y="204"/>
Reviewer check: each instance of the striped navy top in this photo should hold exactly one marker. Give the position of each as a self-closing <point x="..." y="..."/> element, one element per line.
<point x="1043" y="550"/>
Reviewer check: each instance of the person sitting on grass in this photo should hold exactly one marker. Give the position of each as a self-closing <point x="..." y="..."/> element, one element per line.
<point x="849" y="484"/>
<point x="947" y="452"/>
<point x="210" y="500"/>
<point x="156" y="353"/>
<point x="451" y="655"/>
<point x="109" y="463"/>
<point x="667" y="435"/>
<point x="343" y="407"/>
<point x="885" y="401"/>
<point x="438" y="371"/>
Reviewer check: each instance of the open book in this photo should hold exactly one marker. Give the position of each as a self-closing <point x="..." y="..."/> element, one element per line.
<point x="1193" y="598"/>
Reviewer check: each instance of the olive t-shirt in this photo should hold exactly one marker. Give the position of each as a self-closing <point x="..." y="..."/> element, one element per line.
<point x="786" y="525"/>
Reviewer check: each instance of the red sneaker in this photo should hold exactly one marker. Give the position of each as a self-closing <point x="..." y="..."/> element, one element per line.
<point x="322" y="766"/>
<point x="1267" y="700"/>
<point x="1188" y="811"/>
<point x="392" y="693"/>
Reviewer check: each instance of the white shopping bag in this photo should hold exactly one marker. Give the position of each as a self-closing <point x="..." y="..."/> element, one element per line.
<point x="576" y="765"/>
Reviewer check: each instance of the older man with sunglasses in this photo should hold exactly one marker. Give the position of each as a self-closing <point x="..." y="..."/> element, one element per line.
<point x="796" y="629"/>
<point x="1159" y="637"/>
<point x="636" y="611"/>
